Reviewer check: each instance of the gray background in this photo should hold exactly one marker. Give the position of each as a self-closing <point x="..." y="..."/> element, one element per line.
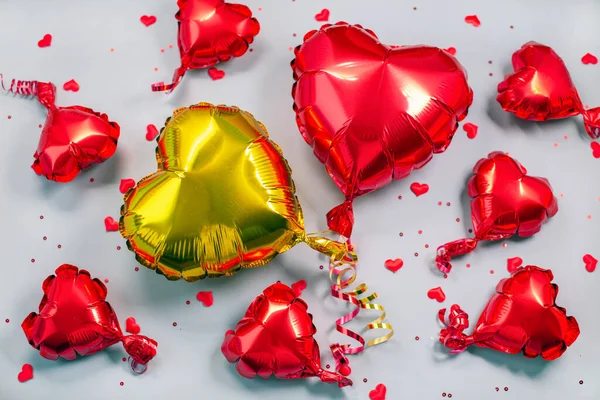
<point x="189" y="364"/>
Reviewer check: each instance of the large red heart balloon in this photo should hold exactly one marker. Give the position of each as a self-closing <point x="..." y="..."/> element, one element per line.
<point x="210" y="31"/>
<point x="521" y="316"/>
<point x="75" y="319"/>
<point x="505" y="202"/>
<point x="372" y="113"/>
<point x="275" y="337"/>
<point x="541" y="89"/>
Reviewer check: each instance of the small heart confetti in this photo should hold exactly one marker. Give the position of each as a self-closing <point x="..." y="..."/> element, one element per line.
<point x="595" y="149"/>
<point x="71" y="85"/>
<point x="450" y="50"/>
<point x="590" y="262"/>
<point x="215" y="74"/>
<point x="589" y="59"/>
<point x="125" y="185"/>
<point x="131" y="326"/>
<point x="151" y="132"/>
<point x="394" y="265"/>
<point x="513" y="263"/>
<point x="436" y="294"/>
<point x="471" y="130"/>
<point x="26" y="373"/>
<point x="110" y="224"/>
<point x="378" y="393"/>
<point x="323" y="15"/>
<point x="420" y="188"/>
<point x="472" y="20"/>
<point x="148" y="19"/>
<point x="298" y="287"/>
<point x="46" y="41"/>
<point x="205" y="298"/>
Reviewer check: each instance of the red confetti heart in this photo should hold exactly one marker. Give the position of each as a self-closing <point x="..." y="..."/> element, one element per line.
<point x="298" y="287"/>
<point x="110" y="224"/>
<point x="436" y="294"/>
<point x="589" y="59"/>
<point x="71" y="85"/>
<point x="131" y="326"/>
<point x="216" y="74"/>
<point x="471" y="130"/>
<point x="378" y="393"/>
<point x="472" y="20"/>
<point x="419" y="188"/>
<point x="126" y="184"/>
<point x="26" y="373"/>
<point x="151" y="132"/>
<point x="323" y="15"/>
<point x="205" y="298"/>
<point x="450" y="50"/>
<point x="590" y="262"/>
<point x="595" y="149"/>
<point x="513" y="263"/>
<point x="148" y="19"/>
<point x="46" y="41"/>
<point x="394" y="265"/>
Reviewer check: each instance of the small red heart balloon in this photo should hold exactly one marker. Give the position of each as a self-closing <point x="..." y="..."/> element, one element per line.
<point x="372" y="113"/>
<point x="275" y="337"/>
<point x="541" y="89"/>
<point x="521" y="316"/>
<point x="505" y="202"/>
<point x="75" y="319"/>
<point x="210" y="31"/>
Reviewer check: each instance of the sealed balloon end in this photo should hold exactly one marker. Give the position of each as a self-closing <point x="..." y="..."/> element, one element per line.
<point x="332" y="377"/>
<point x="591" y="120"/>
<point x="452" y="335"/>
<point x="341" y="219"/>
<point x="141" y="350"/>
<point x="445" y="252"/>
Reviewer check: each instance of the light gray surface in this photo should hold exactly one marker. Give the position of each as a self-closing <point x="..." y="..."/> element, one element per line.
<point x="189" y="364"/>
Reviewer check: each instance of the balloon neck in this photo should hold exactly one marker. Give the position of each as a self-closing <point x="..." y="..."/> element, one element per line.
<point x="338" y="252"/>
<point x="452" y="335"/>
<point x="341" y="218"/>
<point x="591" y="121"/>
<point x="453" y="249"/>
<point x="44" y="91"/>
<point x="332" y="377"/>
<point x="169" y="87"/>
<point x="141" y="350"/>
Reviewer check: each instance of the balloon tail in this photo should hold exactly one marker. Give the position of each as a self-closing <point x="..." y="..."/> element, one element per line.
<point x="591" y="121"/>
<point x="453" y="249"/>
<point x="141" y="350"/>
<point x="332" y="377"/>
<point x="169" y="87"/>
<point x="44" y="91"/>
<point x="341" y="218"/>
<point x="452" y="335"/>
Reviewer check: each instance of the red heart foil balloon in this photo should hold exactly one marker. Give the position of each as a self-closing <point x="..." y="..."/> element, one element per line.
<point x="373" y="113"/>
<point x="521" y="316"/>
<point x="75" y="319"/>
<point x="541" y="89"/>
<point x="275" y="337"/>
<point x="505" y="202"/>
<point x="73" y="138"/>
<point x="210" y="31"/>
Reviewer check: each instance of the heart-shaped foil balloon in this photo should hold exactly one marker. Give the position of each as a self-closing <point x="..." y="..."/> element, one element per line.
<point x="521" y="316"/>
<point x="275" y="337"/>
<point x="373" y="113"/>
<point x="210" y="31"/>
<point x="75" y="319"/>
<point x="73" y="138"/>
<point x="505" y="202"/>
<point x="541" y="89"/>
<point x="222" y="199"/>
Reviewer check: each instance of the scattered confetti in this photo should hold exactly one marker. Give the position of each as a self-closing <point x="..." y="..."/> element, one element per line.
<point x="131" y="326"/>
<point x="513" y="263"/>
<point x="378" y="393"/>
<point x="215" y="74"/>
<point x="126" y="184"/>
<point x="205" y="298"/>
<point x="71" y="86"/>
<point x="110" y="224"/>
<point x="46" y="41"/>
<point x="471" y="130"/>
<point x="419" y="188"/>
<point x="589" y="59"/>
<point x="298" y="287"/>
<point x="450" y="50"/>
<point x="148" y="19"/>
<point x="590" y="262"/>
<point x="26" y="373"/>
<point x="472" y="20"/>
<point x="151" y="132"/>
<point x="595" y="149"/>
<point x="394" y="265"/>
<point x="323" y="16"/>
<point x="436" y="294"/>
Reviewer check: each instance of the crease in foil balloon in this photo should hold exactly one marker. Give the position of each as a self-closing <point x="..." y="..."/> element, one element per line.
<point x="541" y="89"/>
<point x="373" y="113"/>
<point x="73" y="138"/>
<point x="222" y="199"/>
<point x="210" y="32"/>
<point x="275" y="337"/>
<point x="522" y="316"/>
<point x="75" y="319"/>
<point x="505" y="201"/>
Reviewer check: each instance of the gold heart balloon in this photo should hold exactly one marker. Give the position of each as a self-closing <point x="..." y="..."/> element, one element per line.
<point x="221" y="200"/>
